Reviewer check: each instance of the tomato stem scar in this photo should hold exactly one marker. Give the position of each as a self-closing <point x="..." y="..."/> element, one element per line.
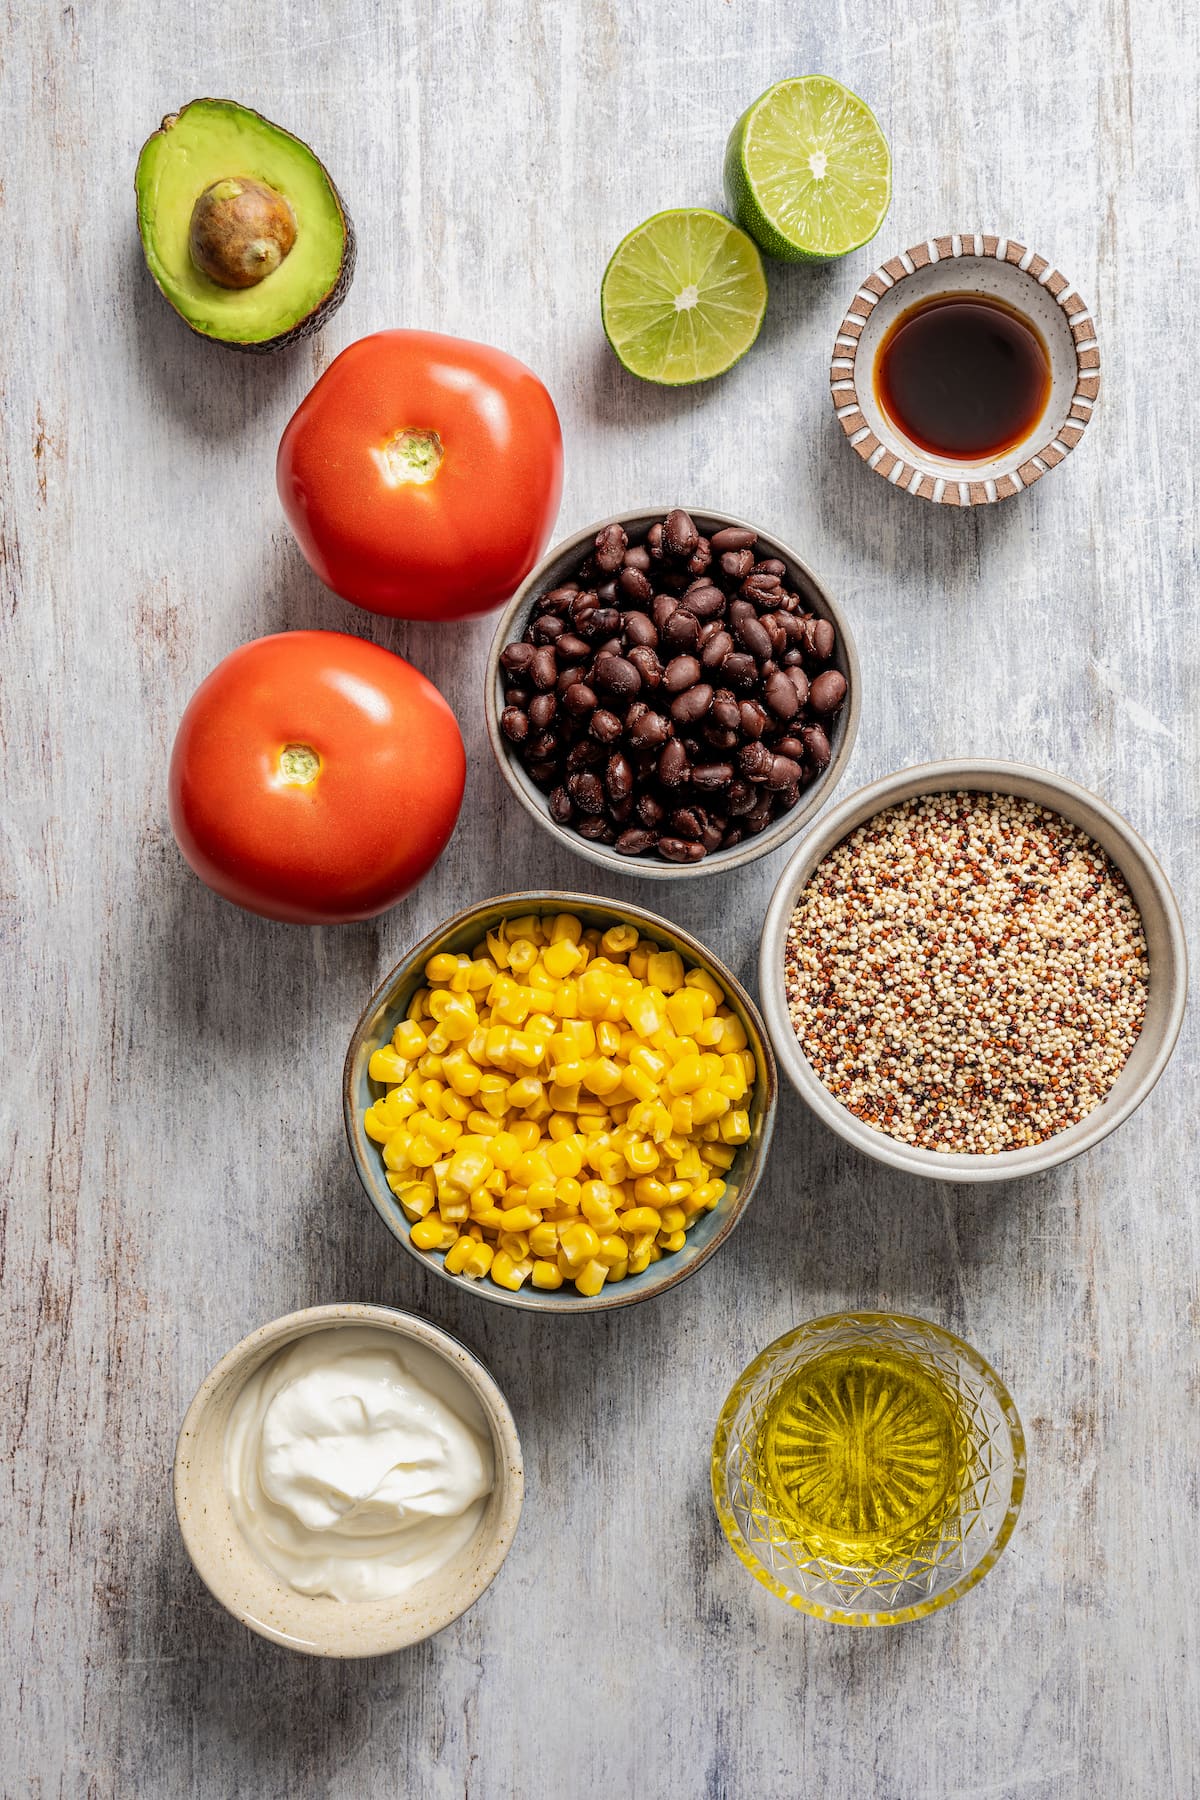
<point x="298" y="764"/>
<point x="411" y="456"/>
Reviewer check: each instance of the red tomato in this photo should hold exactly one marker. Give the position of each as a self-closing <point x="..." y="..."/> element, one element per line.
<point x="422" y="474"/>
<point x="315" y="777"/>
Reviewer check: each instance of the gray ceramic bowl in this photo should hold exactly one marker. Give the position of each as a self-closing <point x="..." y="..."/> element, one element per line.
<point x="561" y="565"/>
<point x="1164" y="938"/>
<point x="389" y="1004"/>
<point x="251" y="1591"/>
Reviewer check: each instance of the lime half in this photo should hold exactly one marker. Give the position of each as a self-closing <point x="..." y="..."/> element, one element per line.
<point x="683" y="297"/>
<point x="808" y="172"/>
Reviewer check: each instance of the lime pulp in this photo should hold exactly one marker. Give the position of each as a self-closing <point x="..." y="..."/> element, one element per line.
<point x="808" y="172"/>
<point x="683" y="297"/>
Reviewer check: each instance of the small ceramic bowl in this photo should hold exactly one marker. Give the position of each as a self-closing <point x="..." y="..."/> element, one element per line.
<point x="967" y="263"/>
<point x="1166" y="948"/>
<point x="389" y="1005"/>
<point x="251" y="1591"/>
<point x="560" y="565"/>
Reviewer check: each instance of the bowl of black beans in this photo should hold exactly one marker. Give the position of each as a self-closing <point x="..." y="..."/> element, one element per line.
<point x="672" y="693"/>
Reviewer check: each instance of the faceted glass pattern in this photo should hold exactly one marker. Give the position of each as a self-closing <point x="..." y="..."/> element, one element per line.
<point x="930" y="1562"/>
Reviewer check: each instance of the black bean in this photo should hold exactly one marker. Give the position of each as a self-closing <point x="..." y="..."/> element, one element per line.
<point x="562" y="808"/>
<point x="638" y="557"/>
<point x="514" y="724"/>
<point x="782" y="772"/>
<point x="753" y="637"/>
<point x="606" y="726"/>
<point x="790" y="746"/>
<point x="573" y="648"/>
<point x="680" y="851"/>
<point x="516" y="696"/>
<point x="634" y="841"/>
<point x="650" y="811"/>
<point x="597" y="831"/>
<point x="664" y="606"/>
<point x="716" y="649"/>
<point x="567" y="678"/>
<point x="651" y="728"/>
<point x="610" y="547"/>
<point x="580" y="699"/>
<point x="704" y="602"/>
<point x="762" y="589"/>
<point x="641" y="629"/>
<point x="617" y="676"/>
<point x="755" y="762"/>
<point x="546" y="630"/>
<point x="752" y="719"/>
<point x="618" y="776"/>
<point x="542" y="709"/>
<point x="620" y="811"/>
<point x="654" y="542"/>
<point x="718" y="737"/>
<point x="672" y="764"/>
<point x="544" y="668"/>
<point x="689" y="707"/>
<point x="827" y="692"/>
<point x="725" y="710"/>
<point x="543" y="746"/>
<point x="583" y="606"/>
<point x="646" y="662"/>
<point x="587" y="791"/>
<point x="680" y="536"/>
<point x="713" y="835"/>
<point x="781" y="696"/>
<point x="799" y="681"/>
<point x="741" y="797"/>
<point x="816" y="745"/>
<point x="635" y="586"/>
<point x="733" y="537"/>
<point x="685" y="823"/>
<point x="770" y="565"/>
<point x="680" y="673"/>
<point x="516" y="658"/>
<point x="681" y="632"/>
<point x="737" y="564"/>
<point x="823" y="639"/>
<point x="758" y="820"/>
<point x="712" y="777"/>
<point x="700" y="558"/>
<point x="739" y="670"/>
<point x="733" y="835"/>
<point x="545" y="774"/>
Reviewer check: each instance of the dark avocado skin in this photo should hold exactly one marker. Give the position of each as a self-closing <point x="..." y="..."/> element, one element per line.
<point x="321" y="313"/>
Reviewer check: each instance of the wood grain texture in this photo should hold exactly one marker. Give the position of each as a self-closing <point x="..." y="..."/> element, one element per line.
<point x="175" y="1170"/>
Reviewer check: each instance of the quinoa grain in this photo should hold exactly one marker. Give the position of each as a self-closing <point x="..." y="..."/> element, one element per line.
<point x="967" y="972"/>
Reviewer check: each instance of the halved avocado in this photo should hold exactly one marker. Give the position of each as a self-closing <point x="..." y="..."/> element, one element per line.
<point x="241" y="226"/>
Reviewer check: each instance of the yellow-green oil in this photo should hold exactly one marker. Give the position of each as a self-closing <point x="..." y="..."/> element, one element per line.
<point x="862" y="1455"/>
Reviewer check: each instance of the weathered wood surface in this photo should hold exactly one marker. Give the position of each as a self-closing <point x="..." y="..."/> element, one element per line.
<point x="175" y="1165"/>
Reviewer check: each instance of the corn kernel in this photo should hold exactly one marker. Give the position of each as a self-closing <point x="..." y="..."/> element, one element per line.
<point x="430" y="1234"/>
<point x="507" y="1273"/>
<point x="735" y="1128"/>
<point x="639" y="1220"/>
<point x="478" y="1261"/>
<point x="591" y="1278"/>
<point x="456" y="1256"/>
<point x="560" y="958"/>
<point x="709" y="1103"/>
<point x="546" y="1275"/>
<point x="409" y="1039"/>
<point x="665" y="970"/>
<point x="516" y="1243"/>
<point x="602" y="1076"/>
<point x="579" y="1244"/>
<point x="565" y="1156"/>
<point x="672" y="1240"/>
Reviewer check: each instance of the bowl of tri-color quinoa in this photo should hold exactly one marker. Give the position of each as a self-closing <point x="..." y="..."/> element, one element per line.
<point x="973" y="970"/>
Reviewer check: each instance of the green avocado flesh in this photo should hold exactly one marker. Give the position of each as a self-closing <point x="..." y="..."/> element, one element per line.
<point x="213" y="140"/>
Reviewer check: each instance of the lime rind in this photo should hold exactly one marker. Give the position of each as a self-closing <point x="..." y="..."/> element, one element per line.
<point x="807" y="170"/>
<point x="683" y="297"/>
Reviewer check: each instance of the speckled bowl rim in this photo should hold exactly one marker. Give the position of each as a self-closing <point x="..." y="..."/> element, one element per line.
<point x="571" y="551"/>
<point x="1080" y="806"/>
<point x="673" y="1269"/>
<point x="937" y="484"/>
<point x="394" y="1629"/>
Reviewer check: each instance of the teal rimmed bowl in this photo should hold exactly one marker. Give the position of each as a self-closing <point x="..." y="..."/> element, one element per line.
<point x="389" y="1004"/>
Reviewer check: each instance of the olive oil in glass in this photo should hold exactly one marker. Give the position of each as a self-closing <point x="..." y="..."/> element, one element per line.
<point x="862" y="1456"/>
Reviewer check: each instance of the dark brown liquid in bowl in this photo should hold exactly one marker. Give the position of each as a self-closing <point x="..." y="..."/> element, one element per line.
<point x="963" y="376"/>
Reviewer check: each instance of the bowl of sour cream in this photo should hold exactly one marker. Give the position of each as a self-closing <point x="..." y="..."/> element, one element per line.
<point x="348" y="1480"/>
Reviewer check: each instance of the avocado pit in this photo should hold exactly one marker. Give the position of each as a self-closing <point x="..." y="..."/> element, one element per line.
<point x="241" y="230"/>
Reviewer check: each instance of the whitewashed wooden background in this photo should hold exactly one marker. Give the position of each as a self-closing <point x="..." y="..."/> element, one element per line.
<point x="174" y="1158"/>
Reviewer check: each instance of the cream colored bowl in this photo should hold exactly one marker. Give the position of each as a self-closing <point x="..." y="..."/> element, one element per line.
<point x="1166" y="950"/>
<point x="251" y="1591"/>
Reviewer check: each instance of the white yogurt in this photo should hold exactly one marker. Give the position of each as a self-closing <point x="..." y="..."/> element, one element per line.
<point x="357" y="1463"/>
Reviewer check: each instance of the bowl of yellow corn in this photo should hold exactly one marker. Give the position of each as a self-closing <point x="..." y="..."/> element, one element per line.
<point x="563" y="1103"/>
